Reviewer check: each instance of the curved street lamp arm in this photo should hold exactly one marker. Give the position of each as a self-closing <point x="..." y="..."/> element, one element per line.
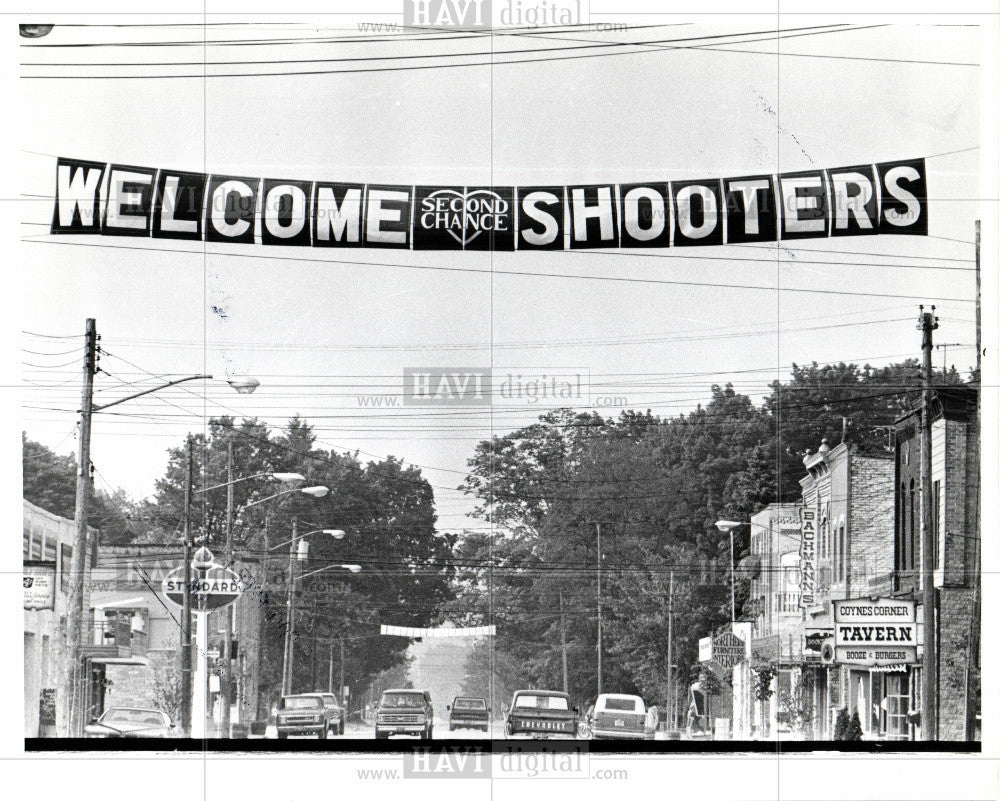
<point x="235" y="481"/>
<point x="101" y="408"/>
<point x="350" y="568"/>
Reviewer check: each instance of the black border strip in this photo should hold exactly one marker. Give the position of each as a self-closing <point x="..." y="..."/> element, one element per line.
<point x="624" y="748"/>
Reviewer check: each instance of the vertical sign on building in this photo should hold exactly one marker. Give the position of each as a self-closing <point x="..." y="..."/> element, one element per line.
<point x="807" y="557"/>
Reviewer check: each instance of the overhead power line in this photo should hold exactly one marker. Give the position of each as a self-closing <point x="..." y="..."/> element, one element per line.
<point x="523" y="273"/>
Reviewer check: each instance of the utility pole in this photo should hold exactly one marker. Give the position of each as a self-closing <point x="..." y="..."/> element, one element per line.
<point x="929" y="701"/>
<point x="600" y="645"/>
<point x="286" y="680"/>
<point x="975" y="618"/>
<point x="330" y="680"/>
<point x="187" y="662"/>
<point x="562" y="638"/>
<point x="226" y="680"/>
<point x="71" y="701"/>
<point x="342" y="699"/>
<point x="671" y="712"/>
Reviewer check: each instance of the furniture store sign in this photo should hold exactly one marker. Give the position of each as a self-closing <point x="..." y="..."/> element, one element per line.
<point x="874" y="632"/>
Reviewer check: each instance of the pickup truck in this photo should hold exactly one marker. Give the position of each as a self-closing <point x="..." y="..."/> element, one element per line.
<point x="305" y="714"/>
<point x="542" y="713"/>
<point x="405" y="711"/>
<point x="468" y="713"/>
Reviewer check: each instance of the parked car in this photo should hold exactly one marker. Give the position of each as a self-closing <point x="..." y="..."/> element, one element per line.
<point x="468" y="713"/>
<point x="620" y="717"/>
<point x="404" y="711"/>
<point x="305" y="714"/>
<point x="340" y="714"/>
<point x="129" y="722"/>
<point x="540" y="713"/>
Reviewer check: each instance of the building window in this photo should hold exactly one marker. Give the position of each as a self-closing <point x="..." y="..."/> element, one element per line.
<point x="841" y="551"/>
<point x="913" y="518"/>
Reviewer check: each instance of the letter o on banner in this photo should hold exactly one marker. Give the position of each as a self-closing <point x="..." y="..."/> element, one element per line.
<point x="697" y="207"/>
<point x="286" y="213"/>
<point x="645" y="215"/>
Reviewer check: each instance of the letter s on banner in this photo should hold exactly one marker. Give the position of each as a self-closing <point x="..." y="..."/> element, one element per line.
<point x="541" y="217"/>
<point x="904" y="197"/>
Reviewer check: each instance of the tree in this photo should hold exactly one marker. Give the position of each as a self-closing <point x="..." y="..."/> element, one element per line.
<point x="49" y="481"/>
<point x="386" y="507"/>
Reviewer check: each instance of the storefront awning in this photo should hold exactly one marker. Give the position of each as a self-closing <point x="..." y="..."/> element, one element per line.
<point x="899" y="668"/>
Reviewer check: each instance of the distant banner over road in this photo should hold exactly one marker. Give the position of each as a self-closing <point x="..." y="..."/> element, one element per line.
<point x="468" y="631"/>
<point x="116" y="200"/>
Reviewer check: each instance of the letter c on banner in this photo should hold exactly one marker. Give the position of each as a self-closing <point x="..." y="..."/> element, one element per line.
<point x="231" y="210"/>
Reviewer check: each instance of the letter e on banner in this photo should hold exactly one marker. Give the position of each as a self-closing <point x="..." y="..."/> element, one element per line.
<point x="78" y="196"/>
<point x="904" y="197"/>
<point x="387" y="216"/>
<point x="129" y="204"/>
<point x="697" y="209"/>
<point x="804" y="206"/>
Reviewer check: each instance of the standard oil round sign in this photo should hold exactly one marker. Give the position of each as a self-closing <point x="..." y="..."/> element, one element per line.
<point x="218" y="587"/>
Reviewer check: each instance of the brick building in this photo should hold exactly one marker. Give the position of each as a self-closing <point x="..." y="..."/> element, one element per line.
<point x="851" y="495"/>
<point x="955" y="527"/>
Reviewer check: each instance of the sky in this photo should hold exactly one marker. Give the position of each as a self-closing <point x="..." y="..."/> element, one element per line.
<point x="324" y="336"/>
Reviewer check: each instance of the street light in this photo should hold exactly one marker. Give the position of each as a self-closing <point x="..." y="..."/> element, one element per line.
<point x="728" y="526"/>
<point x="245" y="385"/>
<point x="298" y="545"/>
